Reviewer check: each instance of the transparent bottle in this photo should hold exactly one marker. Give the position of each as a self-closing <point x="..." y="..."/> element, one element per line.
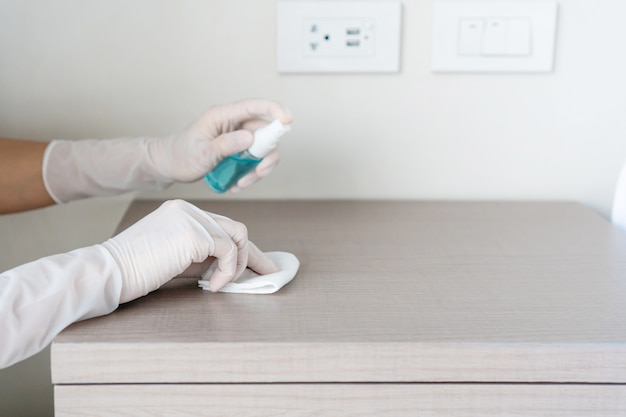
<point x="233" y="167"/>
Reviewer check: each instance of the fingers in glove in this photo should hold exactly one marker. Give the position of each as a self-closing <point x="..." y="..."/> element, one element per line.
<point x="254" y="124"/>
<point x="242" y="111"/>
<point x="238" y="233"/>
<point x="231" y="251"/>
<point x="232" y="142"/>
<point x="228" y="243"/>
<point x="264" y="168"/>
<point x="258" y="262"/>
<point x="226" y="271"/>
<point x="268" y="163"/>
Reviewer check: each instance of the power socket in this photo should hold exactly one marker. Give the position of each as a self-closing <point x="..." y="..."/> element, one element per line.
<point x="338" y="36"/>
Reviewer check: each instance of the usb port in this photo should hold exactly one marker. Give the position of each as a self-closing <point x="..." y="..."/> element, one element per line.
<point x="353" y="31"/>
<point x="352" y="43"/>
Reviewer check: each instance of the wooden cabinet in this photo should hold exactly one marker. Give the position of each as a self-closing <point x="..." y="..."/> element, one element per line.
<point x="399" y="309"/>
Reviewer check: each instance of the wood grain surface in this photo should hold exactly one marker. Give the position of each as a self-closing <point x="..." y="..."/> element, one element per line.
<point x="342" y="400"/>
<point x="387" y="292"/>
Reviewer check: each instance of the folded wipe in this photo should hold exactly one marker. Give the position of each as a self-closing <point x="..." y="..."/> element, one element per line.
<point x="251" y="283"/>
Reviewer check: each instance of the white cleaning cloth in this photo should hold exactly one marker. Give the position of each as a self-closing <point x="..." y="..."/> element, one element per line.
<point x="251" y="283"/>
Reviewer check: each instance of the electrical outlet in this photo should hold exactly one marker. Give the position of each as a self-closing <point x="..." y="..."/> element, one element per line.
<point x="338" y="36"/>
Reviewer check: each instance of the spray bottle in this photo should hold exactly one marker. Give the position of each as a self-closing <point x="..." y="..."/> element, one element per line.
<point x="233" y="167"/>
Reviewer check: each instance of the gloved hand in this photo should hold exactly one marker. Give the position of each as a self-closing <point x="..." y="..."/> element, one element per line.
<point x="41" y="298"/>
<point x="179" y="236"/>
<point x="92" y="167"/>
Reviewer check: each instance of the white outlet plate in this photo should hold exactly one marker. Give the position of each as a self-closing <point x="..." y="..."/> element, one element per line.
<point x="338" y="36"/>
<point x="493" y="36"/>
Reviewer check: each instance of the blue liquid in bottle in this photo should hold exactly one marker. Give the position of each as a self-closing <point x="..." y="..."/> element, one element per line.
<point x="233" y="167"/>
<point x="230" y="170"/>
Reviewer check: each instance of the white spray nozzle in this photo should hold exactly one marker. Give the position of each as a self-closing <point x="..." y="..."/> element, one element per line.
<point x="267" y="137"/>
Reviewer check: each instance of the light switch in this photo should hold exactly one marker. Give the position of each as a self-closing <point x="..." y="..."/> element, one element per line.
<point x="507" y="37"/>
<point x="493" y="36"/>
<point x="471" y="36"/>
<point x="518" y="38"/>
<point x="494" y="42"/>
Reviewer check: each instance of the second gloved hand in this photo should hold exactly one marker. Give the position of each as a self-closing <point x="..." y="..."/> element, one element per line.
<point x="178" y="237"/>
<point x="75" y="169"/>
<point x="221" y="131"/>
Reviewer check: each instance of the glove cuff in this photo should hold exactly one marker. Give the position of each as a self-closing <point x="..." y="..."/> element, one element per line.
<point x="133" y="286"/>
<point x="75" y="169"/>
<point x="41" y="298"/>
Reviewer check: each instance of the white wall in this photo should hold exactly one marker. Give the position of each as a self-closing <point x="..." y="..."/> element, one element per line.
<point x="87" y="68"/>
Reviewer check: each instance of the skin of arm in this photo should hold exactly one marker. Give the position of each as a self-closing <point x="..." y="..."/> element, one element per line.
<point x="21" y="180"/>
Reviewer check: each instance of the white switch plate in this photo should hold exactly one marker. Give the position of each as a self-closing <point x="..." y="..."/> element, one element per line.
<point x="493" y="36"/>
<point x="338" y="36"/>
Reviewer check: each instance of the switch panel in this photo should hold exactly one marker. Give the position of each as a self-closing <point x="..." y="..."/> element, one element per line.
<point x="494" y="36"/>
<point x="503" y="36"/>
<point x="338" y="36"/>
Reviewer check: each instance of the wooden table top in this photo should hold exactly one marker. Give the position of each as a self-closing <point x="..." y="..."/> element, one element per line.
<point x="387" y="291"/>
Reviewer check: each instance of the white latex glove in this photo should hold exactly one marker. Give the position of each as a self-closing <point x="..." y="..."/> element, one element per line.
<point x="178" y="237"/>
<point x="41" y="298"/>
<point x="96" y="167"/>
